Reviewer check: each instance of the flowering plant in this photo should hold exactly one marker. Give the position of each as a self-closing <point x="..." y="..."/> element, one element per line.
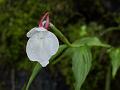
<point x="43" y="46"/>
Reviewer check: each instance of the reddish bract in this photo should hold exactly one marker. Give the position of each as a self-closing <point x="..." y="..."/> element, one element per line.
<point x="44" y="18"/>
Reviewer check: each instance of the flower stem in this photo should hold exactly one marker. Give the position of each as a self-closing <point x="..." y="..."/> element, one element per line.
<point x="60" y="35"/>
<point x="108" y="79"/>
<point x="109" y="29"/>
<point x="63" y="38"/>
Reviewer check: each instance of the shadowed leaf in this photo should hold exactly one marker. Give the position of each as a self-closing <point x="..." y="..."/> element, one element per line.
<point x="81" y="63"/>
<point x="115" y="60"/>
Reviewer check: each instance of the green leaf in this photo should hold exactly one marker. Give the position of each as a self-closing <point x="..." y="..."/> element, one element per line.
<point x="115" y="60"/>
<point x="33" y="75"/>
<point x="91" y="41"/>
<point x="81" y="64"/>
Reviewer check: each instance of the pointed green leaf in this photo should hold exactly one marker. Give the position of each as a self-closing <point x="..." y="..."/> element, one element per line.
<point x="91" y="41"/>
<point x="81" y="63"/>
<point x="33" y="75"/>
<point x="115" y="60"/>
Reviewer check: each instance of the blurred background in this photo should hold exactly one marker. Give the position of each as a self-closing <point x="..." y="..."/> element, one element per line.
<point x="74" y="18"/>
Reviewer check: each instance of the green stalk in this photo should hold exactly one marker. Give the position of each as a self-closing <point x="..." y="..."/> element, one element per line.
<point x="63" y="38"/>
<point x="60" y="35"/>
<point x="108" y="79"/>
<point x="109" y="30"/>
<point x="33" y="75"/>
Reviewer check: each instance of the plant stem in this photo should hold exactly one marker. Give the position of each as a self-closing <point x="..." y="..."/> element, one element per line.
<point x="108" y="79"/>
<point x="110" y="29"/>
<point x="60" y="35"/>
<point x="63" y="38"/>
<point x="33" y="75"/>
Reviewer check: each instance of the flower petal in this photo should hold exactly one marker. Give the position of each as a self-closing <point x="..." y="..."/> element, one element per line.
<point x="41" y="46"/>
<point x="31" y="32"/>
<point x="52" y="43"/>
<point x="34" y="31"/>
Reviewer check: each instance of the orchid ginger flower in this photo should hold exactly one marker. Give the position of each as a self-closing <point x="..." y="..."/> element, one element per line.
<point x="42" y="44"/>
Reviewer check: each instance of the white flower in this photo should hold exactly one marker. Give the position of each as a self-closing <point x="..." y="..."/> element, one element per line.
<point x="42" y="44"/>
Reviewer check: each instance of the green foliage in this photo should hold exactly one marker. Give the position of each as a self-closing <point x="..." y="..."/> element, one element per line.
<point x="91" y="41"/>
<point x="82" y="58"/>
<point x="81" y="63"/>
<point x="33" y="75"/>
<point x="115" y="60"/>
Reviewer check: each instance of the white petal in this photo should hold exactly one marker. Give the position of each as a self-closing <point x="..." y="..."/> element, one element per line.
<point x="35" y="30"/>
<point x="36" y="51"/>
<point x="44" y="63"/>
<point x="31" y="32"/>
<point x="41" y="46"/>
<point x="52" y="43"/>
